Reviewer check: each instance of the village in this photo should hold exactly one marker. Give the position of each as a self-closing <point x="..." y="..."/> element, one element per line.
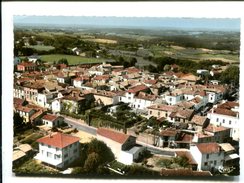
<point x="171" y="123"/>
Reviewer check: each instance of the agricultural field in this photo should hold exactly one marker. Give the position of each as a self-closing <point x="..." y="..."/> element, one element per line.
<point x="72" y="59"/>
<point x="197" y="54"/>
<point x="104" y="41"/>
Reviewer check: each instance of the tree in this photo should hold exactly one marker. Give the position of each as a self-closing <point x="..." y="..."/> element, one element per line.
<point x="92" y="162"/>
<point x="102" y="150"/>
<point x="166" y="67"/>
<point x="18" y="120"/>
<point x="63" y="61"/>
<point x="133" y="61"/>
<point x="231" y="75"/>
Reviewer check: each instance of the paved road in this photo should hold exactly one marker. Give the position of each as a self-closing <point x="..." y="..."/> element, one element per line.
<point x="93" y="131"/>
<point x="81" y="126"/>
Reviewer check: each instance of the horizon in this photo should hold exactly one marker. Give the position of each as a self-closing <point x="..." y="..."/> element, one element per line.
<point x="215" y="24"/>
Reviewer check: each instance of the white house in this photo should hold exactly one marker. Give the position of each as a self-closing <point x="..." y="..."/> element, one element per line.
<point x="79" y="81"/>
<point x="123" y="146"/>
<point x="44" y="99"/>
<point x="56" y="105"/>
<point x="50" y="120"/>
<point x="174" y="98"/>
<point x="226" y="115"/>
<point x="209" y="156"/>
<point x="58" y="150"/>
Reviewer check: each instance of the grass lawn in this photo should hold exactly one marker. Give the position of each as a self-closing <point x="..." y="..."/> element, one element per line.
<point x="72" y="59"/>
<point x="41" y="47"/>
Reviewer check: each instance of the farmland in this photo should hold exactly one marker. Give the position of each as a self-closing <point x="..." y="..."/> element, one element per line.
<point x="72" y="59"/>
<point x="196" y="54"/>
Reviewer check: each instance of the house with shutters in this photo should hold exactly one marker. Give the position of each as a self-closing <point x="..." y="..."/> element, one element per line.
<point x="226" y="115"/>
<point x="209" y="156"/>
<point x="58" y="150"/>
<point x="122" y="145"/>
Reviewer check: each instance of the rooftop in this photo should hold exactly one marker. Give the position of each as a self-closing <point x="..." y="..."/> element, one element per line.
<point x="49" y="117"/>
<point x="113" y="135"/>
<point x="137" y="88"/>
<point x="208" y="148"/>
<point x="58" y="140"/>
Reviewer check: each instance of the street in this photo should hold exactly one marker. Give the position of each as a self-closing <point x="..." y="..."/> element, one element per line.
<point x="81" y="126"/>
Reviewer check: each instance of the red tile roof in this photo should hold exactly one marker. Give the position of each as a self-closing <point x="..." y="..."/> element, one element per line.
<point x="146" y="96"/>
<point x="27" y="64"/>
<point x="113" y="135"/>
<point x="137" y="88"/>
<point x="199" y="120"/>
<point x="163" y="107"/>
<point x="208" y="148"/>
<point x="58" y="140"/>
<point x="212" y="128"/>
<point x="228" y="105"/>
<point x="18" y="101"/>
<point x="49" y="117"/>
<point x="24" y="109"/>
<point x="102" y="77"/>
<point x="226" y="112"/>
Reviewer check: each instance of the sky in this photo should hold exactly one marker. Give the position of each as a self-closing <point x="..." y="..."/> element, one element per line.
<point x="225" y="24"/>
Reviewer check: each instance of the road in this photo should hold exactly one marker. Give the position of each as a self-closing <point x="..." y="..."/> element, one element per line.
<point x="79" y="125"/>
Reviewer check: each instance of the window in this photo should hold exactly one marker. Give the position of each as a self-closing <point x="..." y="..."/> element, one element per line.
<point x="230" y="122"/>
<point x="42" y="151"/>
<point x="223" y="120"/>
<point x="66" y="155"/>
<point x="150" y="112"/>
<point x="129" y="98"/>
<point x="75" y="150"/>
<point x="217" y="120"/>
<point x="207" y="156"/>
<point x="166" y="114"/>
<point x="158" y="113"/>
<point x="49" y="155"/>
<point x="205" y="163"/>
<point x="49" y="146"/>
<point x="170" y="99"/>
<point x="138" y="106"/>
<point x="215" y="162"/>
<point x="56" y="156"/>
<point x="57" y="149"/>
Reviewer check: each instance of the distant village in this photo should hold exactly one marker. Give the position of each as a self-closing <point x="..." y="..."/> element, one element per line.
<point x="171" y="114"/>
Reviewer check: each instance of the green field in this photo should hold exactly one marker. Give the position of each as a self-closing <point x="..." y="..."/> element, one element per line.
<point x="72" y="59"/>
<point x="197" y="54"/>
<point x="41" y="47"/>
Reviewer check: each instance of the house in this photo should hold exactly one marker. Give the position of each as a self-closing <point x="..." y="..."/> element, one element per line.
<point x="167" y="138"/>
<point x="190" y="78"/>
<point x="73" y="103"/>
<point x="226" y="115"/>
<point x="51" y="120"/>
<point x="123" y="146"/>
<point x="182" y="115"/>
<point x="58" y="150"/>
<point x="143" y="100"/>
<point x="33" y="58"/>
<point x="131" y="93"/>
<point x="56" y="105"/>
<point x="215" y="93"/>
<point x="103" y="97"/>
<point x="220" y="133"/>
<point x="79" y="81"/>
<point x="199" y="122"/>
<point x="209" y="156"/>
<point x="63" y="78"/>
<point x="174" y="97"/>
<point x="21" y="153"/>
<point x="25" y="112"/>
<point x="231" y="157"/>
<point x="26" y="66"/>
<point x="161" y="110"/>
